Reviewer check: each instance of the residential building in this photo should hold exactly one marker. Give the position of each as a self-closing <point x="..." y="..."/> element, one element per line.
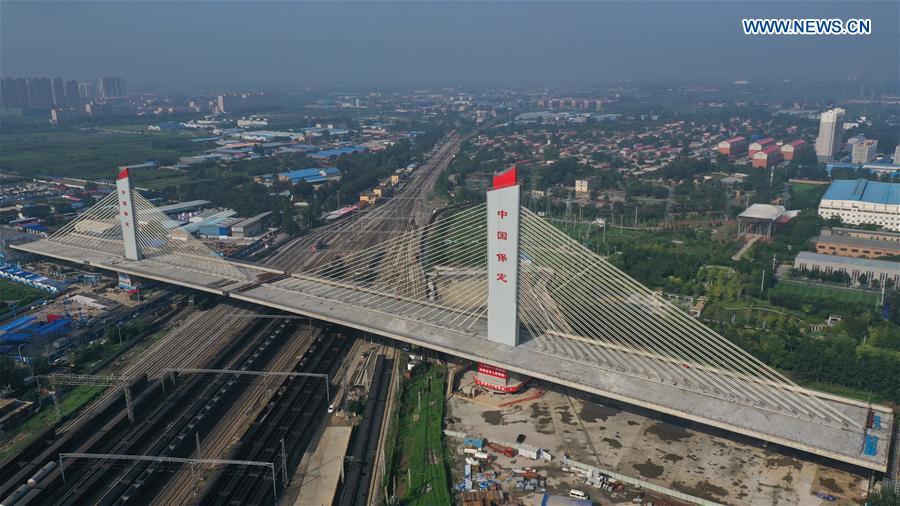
<point x="40" y="92"/>
<point x="59" y="92"/>
<point x="882" y="271"/>
<point x="757" y="146"/>
<point x="788" y="150"/>
<point x="87" y="90"/>
<point x="581" y="186"/>
<point x="860" y="201"/>
<point x="829" y="140"/>
<point x="864" y="152"/>
<point x="767" y="157"/>
<point x="848" y="242"/>
<point x="112" y="87"/>
<point x="735" y="146"/>
<point x="73" y="97"/>
<point x="14" y="92"/>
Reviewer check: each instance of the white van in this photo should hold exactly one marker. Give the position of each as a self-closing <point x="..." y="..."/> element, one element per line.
<point x="578" y="494"/>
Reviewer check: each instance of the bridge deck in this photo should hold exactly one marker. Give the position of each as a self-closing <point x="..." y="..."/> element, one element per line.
<point x="531" y="359"/>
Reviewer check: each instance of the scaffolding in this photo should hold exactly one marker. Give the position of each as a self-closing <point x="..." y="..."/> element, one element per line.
<point x="92" y="380"/>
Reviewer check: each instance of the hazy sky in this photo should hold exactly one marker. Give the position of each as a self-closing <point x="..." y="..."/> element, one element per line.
<point x="232" y="44"/>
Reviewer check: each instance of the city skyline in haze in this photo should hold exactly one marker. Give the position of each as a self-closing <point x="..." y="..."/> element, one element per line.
<point x="233" y="45"/>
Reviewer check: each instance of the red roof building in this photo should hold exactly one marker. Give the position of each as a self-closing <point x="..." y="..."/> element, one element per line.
<point x="788" y="150"/>
<point x="757" y="146"/>
<point x="767" y="157"/>
<point x="734" y="146"/>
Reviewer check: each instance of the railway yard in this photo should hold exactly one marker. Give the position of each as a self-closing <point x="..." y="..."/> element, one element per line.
<point x="196" y="435"/>
<point x="238" y="404"/>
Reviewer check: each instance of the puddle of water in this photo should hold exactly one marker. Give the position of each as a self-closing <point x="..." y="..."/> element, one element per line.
<point x="703" y="489"/>
<point x="612" y="443"/>
<point x="668" y="432"/>
<point x="593" y="412"/>
<point x="492" y="417"/>
<point x="831" y="485"/>
<point x="648" y="469"/>
<point x="775" y="460"/>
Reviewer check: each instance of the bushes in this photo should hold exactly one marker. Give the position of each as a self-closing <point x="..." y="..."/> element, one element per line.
<point x="831" y="359"/>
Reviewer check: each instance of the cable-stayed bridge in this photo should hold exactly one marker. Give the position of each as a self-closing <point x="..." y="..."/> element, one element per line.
<point x="497" y="284"/>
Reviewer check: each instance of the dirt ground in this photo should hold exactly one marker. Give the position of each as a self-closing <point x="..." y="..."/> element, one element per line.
<point x="672" y="454"/>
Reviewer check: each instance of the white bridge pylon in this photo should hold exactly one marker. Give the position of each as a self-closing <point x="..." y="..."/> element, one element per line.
<point x="126" y="224"/>
<point x="568" y="303"/>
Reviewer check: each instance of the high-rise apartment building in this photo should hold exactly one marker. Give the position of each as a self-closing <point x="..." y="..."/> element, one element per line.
<point x="73" y="97"/>
<point x="87" y="90"/>
<point x="112" y="87"/>
<point x="864" y="151"/>
<point x="829" y="141"/>
<point x="59" y="92"/>
<point x="40" y="92"/>
<point x="14" y="92"/>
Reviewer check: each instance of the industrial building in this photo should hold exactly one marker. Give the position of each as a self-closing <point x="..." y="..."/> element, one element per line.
<point x="880" y="270"/>
<point x="23" y="277"/>
<point x="760" y="145"/>
<point x="788" y="150"/>
<point x="250" y="227"/>
<point x="311" y="175"/>
<point x="766" y="157"/>
<point x="734" y="146"/>
<point x="860" y="201"/>
<point x="848" y="242"/>
<point x="338" y="152"/>
<point x="828" y="143"/>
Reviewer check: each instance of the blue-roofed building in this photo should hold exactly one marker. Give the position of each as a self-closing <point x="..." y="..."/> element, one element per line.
<point x="13" y="273"/>
<point x="310" y="175"/>
<point x="860" y="201"/>
<point x="338" y="152"/>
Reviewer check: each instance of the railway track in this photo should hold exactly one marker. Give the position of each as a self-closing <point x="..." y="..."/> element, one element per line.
<point x="291" y="417"/>
<point x="163" y="419"/>
<point x="358" y="473"/>
<point x="194" y="343"/>
<point x="181" y="488"/>
<point x="407" y="209"/>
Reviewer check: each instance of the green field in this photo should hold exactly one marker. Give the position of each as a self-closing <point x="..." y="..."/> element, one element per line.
<point x="88" y="154"/>
<point x="806" y="196"/>
<point x="420" y="471"/>
<point x="71" y="402"/>
<point x="20" y="295"/>
<point x="846" y="295"/>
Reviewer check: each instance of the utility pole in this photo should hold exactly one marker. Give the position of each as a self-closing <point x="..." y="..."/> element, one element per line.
<point x="762" y="283"/>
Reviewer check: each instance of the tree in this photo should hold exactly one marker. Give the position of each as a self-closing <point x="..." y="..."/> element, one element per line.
<point x="10" y="381"/>
<point x="884" y="497"/>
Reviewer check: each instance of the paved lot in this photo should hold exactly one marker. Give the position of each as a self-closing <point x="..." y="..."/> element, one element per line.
<point x="638" y="444"/>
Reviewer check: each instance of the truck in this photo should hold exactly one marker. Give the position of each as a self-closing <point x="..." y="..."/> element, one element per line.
<point x="505" y="450"/>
